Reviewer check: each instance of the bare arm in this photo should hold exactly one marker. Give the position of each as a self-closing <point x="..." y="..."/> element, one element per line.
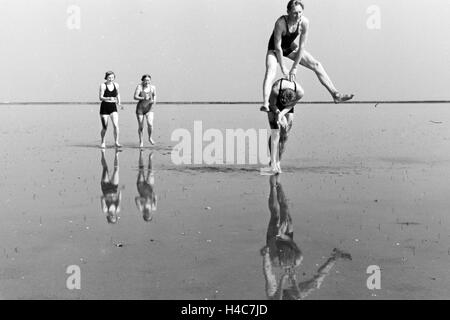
<point x="137" y="93"/>
<point x="277" y="33"/>
<point x="154" y="95"/>
<point x="273" y="97"/>
<point x="301" y="48"/>
<point x="299" y="95"/>
<point x="118" y="93"/>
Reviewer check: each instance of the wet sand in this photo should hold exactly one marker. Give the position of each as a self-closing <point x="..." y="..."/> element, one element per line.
<point x="372" y="182"/>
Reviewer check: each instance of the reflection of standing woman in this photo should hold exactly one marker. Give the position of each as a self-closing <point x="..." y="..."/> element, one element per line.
<point x="145" y="93"/>
<point x="110" y="98"/>
<point x="110" y="188"/>
<point x="146" y="201"/>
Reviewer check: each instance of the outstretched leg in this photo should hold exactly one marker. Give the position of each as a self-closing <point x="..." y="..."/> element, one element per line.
<point x="311" y="63"/>
<point x="306" y="287"/>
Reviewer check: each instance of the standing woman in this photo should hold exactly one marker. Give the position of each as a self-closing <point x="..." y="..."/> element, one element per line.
<point x="145" y="93"/>
<point x="110" y="97"/>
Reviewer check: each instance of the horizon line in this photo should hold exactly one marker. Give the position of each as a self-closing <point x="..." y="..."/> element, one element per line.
<point x="227" y="102"/>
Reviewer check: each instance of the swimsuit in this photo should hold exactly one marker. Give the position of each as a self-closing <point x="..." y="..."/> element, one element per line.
<point x="280" y="106"/>
<point x="110" y="194"/>
<point x="144" y="106"/>
<point x="287" y="40"/>
<point x="106" y="108"/>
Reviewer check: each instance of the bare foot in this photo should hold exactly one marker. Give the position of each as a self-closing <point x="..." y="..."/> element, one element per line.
<point x="342" y="97"/>
<point x="118" y="145"/>
<point x="279" y="168"/>
<point x="151" y="140"/>
<point x="103" y="145"/>
<point x="269" y="171"/>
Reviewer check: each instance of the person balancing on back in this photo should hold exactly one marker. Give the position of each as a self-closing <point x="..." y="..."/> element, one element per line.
<point x="288" y="40"/>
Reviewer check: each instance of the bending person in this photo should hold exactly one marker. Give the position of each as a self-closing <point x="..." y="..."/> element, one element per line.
<point x="284" y="96"/>
<point x="110" y="97"/>
<point x="289" y="40"/>
<point x="145" y="93"/>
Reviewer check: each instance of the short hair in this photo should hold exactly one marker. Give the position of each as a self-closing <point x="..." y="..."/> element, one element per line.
<point x="287" y="96"/>
<point x="292" y="3"/>
<point x="147" y="215"/>
<point x="108" y="73"/>
<point x="111" y="218"/>
<point x="289" y="255"/>
<point x="145" y="76"/>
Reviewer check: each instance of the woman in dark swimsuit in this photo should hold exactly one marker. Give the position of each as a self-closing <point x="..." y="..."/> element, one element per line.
<point x="282" y="43"/>
<point x="110" y="97"/>
<point x="145" y="93"/>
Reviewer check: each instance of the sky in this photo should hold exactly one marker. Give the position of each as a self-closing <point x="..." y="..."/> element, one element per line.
<point x="210" y="50"/>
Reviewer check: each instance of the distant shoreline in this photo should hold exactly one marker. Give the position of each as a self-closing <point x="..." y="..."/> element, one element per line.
<point x="230" y="102"/>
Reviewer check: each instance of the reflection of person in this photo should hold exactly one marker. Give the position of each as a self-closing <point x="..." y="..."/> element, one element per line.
<point x="288" y="40"/>
<point x="281" y="250"/>
<point x="284" y="96"/>
<point x="145" y="93"/>
<point x="110" y="97"/>
<point x="146" y="201"/>
<point x="111" y="197"/>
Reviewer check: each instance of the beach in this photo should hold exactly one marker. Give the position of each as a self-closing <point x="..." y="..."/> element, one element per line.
<point x="368" y="180"/>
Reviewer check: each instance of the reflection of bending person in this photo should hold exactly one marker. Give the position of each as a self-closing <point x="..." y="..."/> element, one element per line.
<point x="284" y="96"/>
<point x="146" y="201"/>
<point x="110" y="187"/>
<point x="281" y="250"/>
<point x="289" y="40"/>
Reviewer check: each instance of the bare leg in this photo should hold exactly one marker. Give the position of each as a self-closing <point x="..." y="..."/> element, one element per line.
<point x="272" y="288"/>
<point x="115" y="121"/>
<point x="150" y="126"/>
<point x="311" y="63"/>
<point x="140" y="120"/>
<point x="306" y="287"/>
<point x="274" y="153"/>
<point x="105" y="174"/>
<point x="141" y="173"/>
<point x="271" y="70"/>
<point x="104" y="121"/>
<point x="115" y="175"/>
<point x="284" y="132"/>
